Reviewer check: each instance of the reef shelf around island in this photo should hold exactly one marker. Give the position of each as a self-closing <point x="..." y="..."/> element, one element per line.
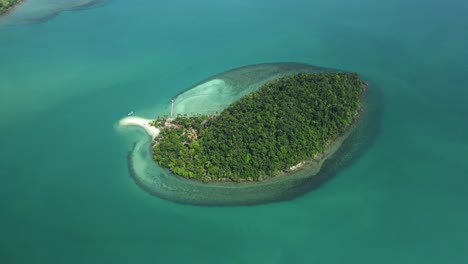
<point x="214" y="95"/>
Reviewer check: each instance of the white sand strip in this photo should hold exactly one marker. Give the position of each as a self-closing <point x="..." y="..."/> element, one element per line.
<point x="141" y="122"/>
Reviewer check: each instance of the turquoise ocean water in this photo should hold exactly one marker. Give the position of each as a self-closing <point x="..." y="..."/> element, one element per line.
<point x="65" y="192"/>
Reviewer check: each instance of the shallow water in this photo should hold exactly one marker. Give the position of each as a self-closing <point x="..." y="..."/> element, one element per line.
<point x="66" y="195"/>
<point x="214" y="95"/>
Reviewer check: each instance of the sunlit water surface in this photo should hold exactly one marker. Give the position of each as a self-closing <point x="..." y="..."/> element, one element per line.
<point x="67" y="195"/>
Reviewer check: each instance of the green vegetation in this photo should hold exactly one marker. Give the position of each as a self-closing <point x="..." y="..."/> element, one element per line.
<point x="6" y="4"/>
<point x="283" y="123"/>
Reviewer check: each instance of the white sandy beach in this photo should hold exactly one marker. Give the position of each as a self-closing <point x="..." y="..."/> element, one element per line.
<point x="141" y="122"/>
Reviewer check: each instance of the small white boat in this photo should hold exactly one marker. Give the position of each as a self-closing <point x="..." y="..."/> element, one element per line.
<point x="130" y="113"/>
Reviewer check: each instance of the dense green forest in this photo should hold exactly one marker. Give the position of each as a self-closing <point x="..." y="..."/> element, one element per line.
<point x="264" y="133"/>
<point x="6" y="4"/>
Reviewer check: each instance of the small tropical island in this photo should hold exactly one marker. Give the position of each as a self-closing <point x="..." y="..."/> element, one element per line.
<point x="6" y="5"/>
<point x="280" y="127"/>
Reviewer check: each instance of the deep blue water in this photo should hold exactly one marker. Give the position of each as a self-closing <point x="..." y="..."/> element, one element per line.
<point x="65" y="192"/>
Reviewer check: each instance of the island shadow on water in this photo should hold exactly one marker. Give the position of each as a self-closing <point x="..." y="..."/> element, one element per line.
<point x="216" y="93"/>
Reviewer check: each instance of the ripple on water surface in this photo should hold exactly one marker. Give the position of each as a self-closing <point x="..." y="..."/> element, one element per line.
<point x="216" y="93"/>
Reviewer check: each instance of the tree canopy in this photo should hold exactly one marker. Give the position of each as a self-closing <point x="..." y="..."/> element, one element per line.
<point x="6" y="4"/>
<point x="264" y="133"/>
